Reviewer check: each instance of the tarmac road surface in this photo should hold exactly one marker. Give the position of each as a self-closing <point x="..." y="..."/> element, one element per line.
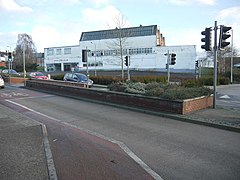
<point x="172" y="149"/>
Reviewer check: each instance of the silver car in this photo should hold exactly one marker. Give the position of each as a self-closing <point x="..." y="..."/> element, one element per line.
<point x="78" y="77"/>
<point x="1" y="82"/>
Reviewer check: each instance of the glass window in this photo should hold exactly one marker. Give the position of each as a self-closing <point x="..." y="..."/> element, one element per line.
<point x="50" y="52"/>
<point x="67" y="50"/>
<point x="58" y="51"/>
<point x="75" y="77"/>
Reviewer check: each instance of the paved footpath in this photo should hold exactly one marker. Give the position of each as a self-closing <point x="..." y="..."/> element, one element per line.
<point x="21" y="145"/>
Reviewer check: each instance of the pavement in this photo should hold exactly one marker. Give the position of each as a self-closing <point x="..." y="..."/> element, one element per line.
<point x="23" y="155"/>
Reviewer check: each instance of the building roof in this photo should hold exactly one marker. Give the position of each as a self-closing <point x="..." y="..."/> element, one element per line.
<point x="115" y="33"/>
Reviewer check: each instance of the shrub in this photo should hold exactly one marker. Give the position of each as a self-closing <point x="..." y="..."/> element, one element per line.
<point x="136" y="88"/>
<point x="104" y="80"/>
<point x="148" y="79"/>
<point x="158" y="91"/>
<point x="172" y="91"/>
<point x="154" y="89"/>
<point x="224" y="80"/>
<point x="57" y="77"/>
<point x="192" y="83"/>
<point x="181" y="93"/>
<point x="117" y="86"/>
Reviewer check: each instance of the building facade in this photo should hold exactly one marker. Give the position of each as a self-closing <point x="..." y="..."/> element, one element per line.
<point x="106" y="50"/>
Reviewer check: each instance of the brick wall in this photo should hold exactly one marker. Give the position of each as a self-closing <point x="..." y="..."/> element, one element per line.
<point x="197" y="104"/>
<point x="129" y="100"/>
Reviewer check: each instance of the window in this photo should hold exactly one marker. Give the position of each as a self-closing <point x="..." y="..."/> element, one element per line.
<point x="58" y="51"/>
<point x="49" y="52"/>
<point x="67" y="50"/>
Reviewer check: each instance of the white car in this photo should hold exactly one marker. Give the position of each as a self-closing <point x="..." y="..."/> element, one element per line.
<point x="1" y="82"/>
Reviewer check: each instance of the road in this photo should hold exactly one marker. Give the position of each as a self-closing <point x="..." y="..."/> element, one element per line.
<point x="229" y="96"/>
<point x="173" y="149"/>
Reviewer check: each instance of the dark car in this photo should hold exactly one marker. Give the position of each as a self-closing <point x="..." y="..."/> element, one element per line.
<point x="11" y="71"/>
<point x="78" y="77"/>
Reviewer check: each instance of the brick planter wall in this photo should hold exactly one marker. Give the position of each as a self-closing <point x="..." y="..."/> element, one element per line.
<point x="131" y="100"/>
<point x="195" y="104"/>
<point x="14" y="80"/>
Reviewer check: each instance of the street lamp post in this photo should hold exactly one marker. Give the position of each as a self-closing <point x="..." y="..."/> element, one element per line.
<point x="95" y="56"/>
<point x="24" y="69"/>
<point x="232" y="59"/>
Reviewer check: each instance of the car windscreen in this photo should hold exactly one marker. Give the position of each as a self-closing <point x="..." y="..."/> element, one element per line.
<point x="40" y="74"/>
<point x="82" y="77"/>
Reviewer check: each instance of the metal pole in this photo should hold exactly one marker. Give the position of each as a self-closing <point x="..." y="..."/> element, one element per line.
<point x="128" y="68"/>
<point x="215" y="65"/>
<point x="24" y="70"/>
<point x="168" y="69"/>
<point x="232" y="59"/>
<point x="200" y="69"/>
<point x="87" y="61"/>
<point x="95" y="54"/>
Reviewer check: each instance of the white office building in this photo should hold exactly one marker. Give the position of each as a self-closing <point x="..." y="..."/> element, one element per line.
<point x="145" y="46"/>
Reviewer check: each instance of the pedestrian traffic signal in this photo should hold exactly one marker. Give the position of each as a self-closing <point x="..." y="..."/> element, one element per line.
<point x="224" y="34"/>
<point x="207" y="39"/>
<point x="173" y="59"/>
<point x="126" y="60"/>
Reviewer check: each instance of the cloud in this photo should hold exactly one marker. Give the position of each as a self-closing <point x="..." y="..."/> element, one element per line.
<point x="45" y="36"/>
<point x="8" y="40"/>
<point x="102" y="18"/>
<point x="11" y="5"/>
<point x="100" y="2"/>
<point x="69" y="2"/>
<point x="185" y="37"/>
<point x="231" y="17"/>
<point x="186" y="2"/>
<point x="207" y="2"/>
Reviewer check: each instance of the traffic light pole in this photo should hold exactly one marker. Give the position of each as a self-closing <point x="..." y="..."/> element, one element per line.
<point x="215" y="65"/>
<point x="168" y="69"/>
<point x="128" y="68"/>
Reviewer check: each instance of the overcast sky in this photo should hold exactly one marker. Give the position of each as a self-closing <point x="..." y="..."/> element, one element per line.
<point x="53" y="23"/>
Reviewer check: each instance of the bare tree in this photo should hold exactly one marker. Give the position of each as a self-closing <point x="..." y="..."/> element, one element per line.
<point x="121" y="34"/>
<point x="221" y="57"/>
<point x="26" y="43"/>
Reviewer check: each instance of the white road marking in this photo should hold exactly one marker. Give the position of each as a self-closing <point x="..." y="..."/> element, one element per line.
<point x="51" y="167"/>
<point x="225" y="97"/>
<point x="119" y="143"/>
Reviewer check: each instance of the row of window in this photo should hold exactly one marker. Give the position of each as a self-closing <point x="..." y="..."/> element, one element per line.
<point x="50" y="51"/>
<point x="117" y="52"/>
<point x="116" y="33"/>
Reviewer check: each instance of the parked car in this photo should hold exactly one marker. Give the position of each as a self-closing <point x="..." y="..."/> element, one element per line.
<point x="11" y="71"/>
<point x="38" y="75"/>
<point x="78" y="77"/>
<point x="1" y="82"/>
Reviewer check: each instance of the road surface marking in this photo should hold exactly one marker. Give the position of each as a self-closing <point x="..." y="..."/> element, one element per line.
<point x="119" y="143"/>
<point x="51" y="167"/>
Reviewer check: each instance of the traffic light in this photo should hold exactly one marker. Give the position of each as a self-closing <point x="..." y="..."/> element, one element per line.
<point x="126" y="61"/>
<point x="196" y="64"/>
<point x="84" y="55"/>
<point x="207" y="39"/>
<point x="173" y="59"/>
<point x="224" y="34"/>
<point x="9" y="55"/>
